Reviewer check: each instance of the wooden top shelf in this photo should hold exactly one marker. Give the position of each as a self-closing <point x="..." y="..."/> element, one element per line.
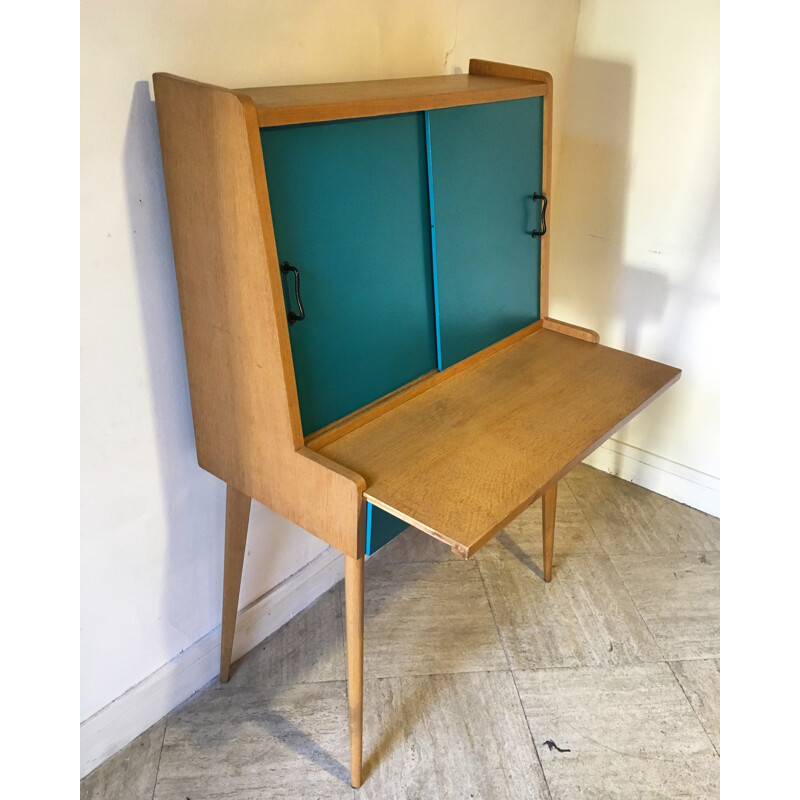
<point x="288" y="105"/>
<point x="463" y="458"/>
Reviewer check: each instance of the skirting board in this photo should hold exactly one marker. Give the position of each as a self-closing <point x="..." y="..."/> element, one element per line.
<point x="122" y="720"/>
<point x="684" y="484"/>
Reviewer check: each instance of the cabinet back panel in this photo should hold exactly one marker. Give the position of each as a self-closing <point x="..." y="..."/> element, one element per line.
<point x="350" y="210"/>
<point x="486" y="162"/>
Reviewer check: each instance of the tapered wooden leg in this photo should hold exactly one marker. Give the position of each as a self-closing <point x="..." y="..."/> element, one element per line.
<point x="237" y="516"/>
<point x="548" y="529"/>
<point x="354" y="609"/>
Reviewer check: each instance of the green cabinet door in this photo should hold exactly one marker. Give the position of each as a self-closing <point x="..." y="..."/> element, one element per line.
<point x="486" y="163"/>
<point x="350" y="210"/>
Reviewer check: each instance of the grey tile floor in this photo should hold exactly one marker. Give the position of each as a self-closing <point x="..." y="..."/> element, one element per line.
<point x="472" y="667"/>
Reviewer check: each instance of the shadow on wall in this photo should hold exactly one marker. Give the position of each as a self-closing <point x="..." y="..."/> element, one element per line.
<point x="593" y="181"/>
<point x="590" y="275"/>
<point x="193" y="501"/>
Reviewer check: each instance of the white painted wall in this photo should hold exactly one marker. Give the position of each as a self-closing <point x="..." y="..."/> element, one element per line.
<point x="636" y="224"/>
<point x="152" y="520"/>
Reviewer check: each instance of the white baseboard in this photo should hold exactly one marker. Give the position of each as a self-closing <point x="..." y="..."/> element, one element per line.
<point x="122" y="720"/>
<point x="676" y="481"/>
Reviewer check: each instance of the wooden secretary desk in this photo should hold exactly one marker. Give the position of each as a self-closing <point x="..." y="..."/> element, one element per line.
<point x="363" y="280"/>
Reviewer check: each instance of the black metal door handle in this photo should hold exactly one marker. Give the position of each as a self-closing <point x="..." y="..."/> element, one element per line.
<point x="543" y="231"/>
<point x="286" y="268"/>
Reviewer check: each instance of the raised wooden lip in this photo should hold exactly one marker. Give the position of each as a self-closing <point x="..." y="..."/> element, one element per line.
<point x="404" y="469"/>
<point x="322" y="102"/>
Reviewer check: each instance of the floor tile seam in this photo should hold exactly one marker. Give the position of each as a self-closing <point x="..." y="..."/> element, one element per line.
<point x="494" y="616"/>
<point x="509" y="556"/>
<point x="419" y="561"/>
<point x="664" y="498"/>
<point x="272" y="686"/>
<point x="692" y="659"/>
<point x="696" y="715"/>
<point x="638" y="610"/>
<point x="680" y="757"/>
<point x="514" y="681"/>
<point x="160" y="754"/>
<point x="618" y="666"/>
<point x="665" y="656"/>
<point x="639" y="661"/>
<point x="663" y="553"/>
<point x="450" y="563"/>
<point x="446" y="673"/>
<point x="530" y="733"/>
<point x="209" y="686"/>
<point x="666" y="554"/>
<point x="585" y="516"/>
<point x="635" y="552"/>
<point x="377" y="570"/>
<point x="585" y="631"/>
<point x="574" y="603"/>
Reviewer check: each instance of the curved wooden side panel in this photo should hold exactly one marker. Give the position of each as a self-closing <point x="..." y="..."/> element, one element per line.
<point x="241" y="378"/>
<point x="568" y="329"/>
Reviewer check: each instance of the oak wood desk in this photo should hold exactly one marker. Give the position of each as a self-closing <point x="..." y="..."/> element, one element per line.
<point x="416" y="376"/>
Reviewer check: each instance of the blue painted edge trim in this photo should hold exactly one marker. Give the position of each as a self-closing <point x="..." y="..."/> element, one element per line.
<point x="368" y="544"/>
<point x="433" y="242"/>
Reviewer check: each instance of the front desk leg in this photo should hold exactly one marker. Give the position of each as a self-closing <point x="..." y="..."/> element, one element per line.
<point x="354" y="610"/>
<point x="548" y="529"/>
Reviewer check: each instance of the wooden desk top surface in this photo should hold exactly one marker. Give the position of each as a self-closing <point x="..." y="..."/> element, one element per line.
<point x="463" y="458"/>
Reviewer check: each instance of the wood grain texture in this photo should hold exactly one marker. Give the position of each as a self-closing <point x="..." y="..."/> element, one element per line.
<point x="465" y="457"/>
<point x="548" y="529"/>
<point x="479" y="67"/>
<point x="354" y="610"/>
<point x="241" y="378"/>
<point x="569" y="329"/>
<point x="237" y="518"/>
<point x="288" y="105"/>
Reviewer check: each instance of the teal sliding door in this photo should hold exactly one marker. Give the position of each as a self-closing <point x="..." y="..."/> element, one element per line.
<point x="486" y="163"/>
<point x="350" y="210"/>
